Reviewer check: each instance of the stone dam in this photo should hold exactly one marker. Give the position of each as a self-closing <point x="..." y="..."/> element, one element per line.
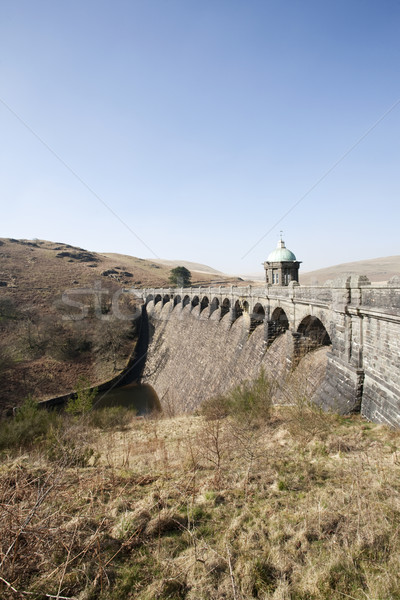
<point x="339" y="344"/>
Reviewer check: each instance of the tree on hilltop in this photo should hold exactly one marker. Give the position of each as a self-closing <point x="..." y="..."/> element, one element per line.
<point x="180" y="277"/>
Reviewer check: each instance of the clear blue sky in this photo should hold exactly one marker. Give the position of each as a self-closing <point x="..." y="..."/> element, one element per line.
<point x="200" y="123"/>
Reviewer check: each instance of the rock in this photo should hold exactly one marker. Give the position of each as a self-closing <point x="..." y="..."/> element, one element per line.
<point x="79" y="256"/>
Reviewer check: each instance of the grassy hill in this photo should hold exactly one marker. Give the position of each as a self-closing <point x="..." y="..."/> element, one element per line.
<point x="378" y="270"/>
<point x="51" y="266"/>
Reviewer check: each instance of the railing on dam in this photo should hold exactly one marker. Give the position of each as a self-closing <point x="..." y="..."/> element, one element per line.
<point x="386" y="300"/>
<point x="238" y="291"/>
<point x="314" y="295"/>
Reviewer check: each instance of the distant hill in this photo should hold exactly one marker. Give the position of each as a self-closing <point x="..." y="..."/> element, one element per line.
<point x="197" y="267"/>
<point x="378" y="270"/>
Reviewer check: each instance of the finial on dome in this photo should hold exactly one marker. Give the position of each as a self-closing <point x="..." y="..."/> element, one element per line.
<point x="281" y="243"/>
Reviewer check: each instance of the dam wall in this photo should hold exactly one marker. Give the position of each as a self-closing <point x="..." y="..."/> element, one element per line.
<point x="195" y="354"/>
<point x="206" y="340"/>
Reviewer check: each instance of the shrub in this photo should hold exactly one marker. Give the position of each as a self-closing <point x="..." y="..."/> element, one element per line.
<point x="8" y="310"/>
<point x="252" y="401"/>
<point x="248" y="403"/>
<point x="235" y="421"/>
<point x="217" y="407"/>
<point x="33" y="337"/>
<point x="29" y="426"/>
<point x="81" y="402"/>
<point x="73" y="347"/>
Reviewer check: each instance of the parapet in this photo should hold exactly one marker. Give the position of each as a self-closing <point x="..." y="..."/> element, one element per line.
<point x="349" y="280"/>
<point x="394" y="281"/>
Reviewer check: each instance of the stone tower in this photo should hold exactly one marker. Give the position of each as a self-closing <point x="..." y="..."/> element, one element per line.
<point x="281" y="266"/>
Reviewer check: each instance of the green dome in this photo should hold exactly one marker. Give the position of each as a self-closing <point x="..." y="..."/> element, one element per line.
<point x="281" y="254"/>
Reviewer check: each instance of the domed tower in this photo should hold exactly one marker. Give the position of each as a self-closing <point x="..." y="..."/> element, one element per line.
<point x="281" y="266"/>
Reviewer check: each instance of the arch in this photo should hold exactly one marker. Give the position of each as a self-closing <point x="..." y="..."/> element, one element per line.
<point x="302" y="312"/>
<point x="225" y="307"/>
<point x="149" y="298"/>
<point x="204" y="303"/>
<point x="279" y="317"/>
<point x="246" y="306"/>
<point x="157" y="299"/>
<point x="278" y="324"/>
<point x="237" y="310"/>
<point x="186" y="301"/>
<point x="177" y="300"/>
<point x="313" y="329"/>
<point x="195" y="301"/>
<point x="214" y="305"/>
<point x="257" y="316"/>
<point x="166" y="299"/>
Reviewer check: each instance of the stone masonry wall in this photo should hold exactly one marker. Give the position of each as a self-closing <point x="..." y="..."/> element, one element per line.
<point x="381" y="359"/>
<point x="378" y="316"/>
<point x="193" y="356"/>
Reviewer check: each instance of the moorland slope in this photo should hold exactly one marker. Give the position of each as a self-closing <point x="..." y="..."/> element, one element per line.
<point x="43" y="348"/>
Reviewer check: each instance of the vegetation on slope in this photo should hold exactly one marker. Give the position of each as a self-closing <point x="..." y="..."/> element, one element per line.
<point x="43" y="352"/>
<point x="286" y="503"/>
<point x="43" y="347"/>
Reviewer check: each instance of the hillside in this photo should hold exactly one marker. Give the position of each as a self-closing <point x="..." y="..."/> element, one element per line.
<point x="378" y="270"/>
<point x="52" y="267"/>
<point x="198" y="267"/>
<point x="45" y="346"/>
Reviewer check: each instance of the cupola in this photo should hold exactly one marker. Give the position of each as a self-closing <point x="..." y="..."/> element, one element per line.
<point x="281" y="266"/>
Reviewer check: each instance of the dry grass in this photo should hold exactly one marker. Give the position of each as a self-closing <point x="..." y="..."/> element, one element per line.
<point x="378" y="270"/>
<point x="149" y="515"/>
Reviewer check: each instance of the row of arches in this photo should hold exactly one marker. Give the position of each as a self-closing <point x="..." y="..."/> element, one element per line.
<point x="310" y="327"/>
<point x="195" y="301"/>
